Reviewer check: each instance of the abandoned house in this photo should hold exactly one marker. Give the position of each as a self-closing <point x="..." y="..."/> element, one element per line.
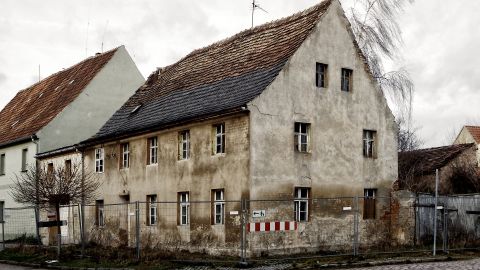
<point x="61" y="110"/>
<point x="284" y="110"/>
<point x="469" y="134"/>
<point x="457" y="165"/>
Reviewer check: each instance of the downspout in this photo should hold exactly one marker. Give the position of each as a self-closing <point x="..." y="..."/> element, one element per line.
<point x="37" y="196"/>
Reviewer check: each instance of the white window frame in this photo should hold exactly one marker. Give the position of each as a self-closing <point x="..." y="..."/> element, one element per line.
<point x="3" y="158"/>
<point x="125" y="155"/>
<point x="218" y="207"/>
<point x="153" y="150"/>
<point x="369" y="146"/>
<point x="184" y="145"/>
<point x="152" y="209"/>
<point x="303" y="132"/>
<point x="99" y="160"/>
<point x="219" y="139"/>
<point x="184" y="202"/>
<point x="301" y="200"/>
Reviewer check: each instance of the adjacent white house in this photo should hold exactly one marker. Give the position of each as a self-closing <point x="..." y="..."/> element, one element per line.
<point x="61" y="110"/>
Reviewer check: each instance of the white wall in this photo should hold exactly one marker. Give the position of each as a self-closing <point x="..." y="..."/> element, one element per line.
<point x="13" y="166"/>
<point x="104" y="95"/>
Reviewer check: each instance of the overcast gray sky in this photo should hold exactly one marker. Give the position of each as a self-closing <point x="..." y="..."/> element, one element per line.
<point x="440" y="50"/>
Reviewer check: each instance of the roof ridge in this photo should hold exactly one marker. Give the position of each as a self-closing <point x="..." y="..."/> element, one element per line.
<point x="70" y="67"/>
<point x="442" y="147"/>
<point x="254" y="30"/>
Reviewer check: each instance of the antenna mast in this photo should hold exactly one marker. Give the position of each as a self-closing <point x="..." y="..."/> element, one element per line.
<point x="254" y="6"/>
<point x="104" y="31"/>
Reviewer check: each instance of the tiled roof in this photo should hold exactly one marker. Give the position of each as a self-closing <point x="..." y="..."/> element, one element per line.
<point x="425" y="161"/>
<point x="223" y="76"/>
<point x="475" y="131"/>
<point x="34" y="107"/>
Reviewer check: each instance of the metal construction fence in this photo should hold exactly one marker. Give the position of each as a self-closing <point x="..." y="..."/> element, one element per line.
<point x="258" y="229"/>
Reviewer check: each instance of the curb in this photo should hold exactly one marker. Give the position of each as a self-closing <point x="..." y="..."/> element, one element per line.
<point x="60" y="267"/>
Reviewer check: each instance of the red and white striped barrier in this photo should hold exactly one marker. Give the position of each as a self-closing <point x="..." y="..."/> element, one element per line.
<point x="272" y="226"/>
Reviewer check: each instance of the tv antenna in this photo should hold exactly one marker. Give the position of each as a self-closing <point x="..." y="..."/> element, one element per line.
<point x="104" y="31"/>
<point x="255" y="6"/>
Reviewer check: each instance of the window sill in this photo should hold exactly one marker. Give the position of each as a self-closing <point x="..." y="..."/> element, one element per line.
<point x="99" y="172"/>
<point x="186" y="159"/>
<point x="219" y="155"/>
<point x="151" y="165"/>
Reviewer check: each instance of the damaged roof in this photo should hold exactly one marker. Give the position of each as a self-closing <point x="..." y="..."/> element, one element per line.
<point x="215" y="79"/>
<point x="34" y="107"/>
<point x="426" y="161"/>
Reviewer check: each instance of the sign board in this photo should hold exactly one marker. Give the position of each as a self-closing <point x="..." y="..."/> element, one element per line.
<point x="52" y="223"/>
<point x="259" y="213"/>
<point x="347" y="208"/>
<point x="233" y="213"/>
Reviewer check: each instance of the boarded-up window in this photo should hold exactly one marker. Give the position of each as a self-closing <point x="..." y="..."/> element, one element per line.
<point x="369" y="202"/>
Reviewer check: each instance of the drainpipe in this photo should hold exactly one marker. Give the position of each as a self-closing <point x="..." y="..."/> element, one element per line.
<point x="37" y="203"/>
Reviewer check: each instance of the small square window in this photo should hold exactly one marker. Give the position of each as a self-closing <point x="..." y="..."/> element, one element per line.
<point x="184" y="145"/>
<point x="347" y="79"/>
<point x="321" y="75"/>
<point x="369" y="143"/>
<point x="302" y="137"/>
<point x="301" y="211"/>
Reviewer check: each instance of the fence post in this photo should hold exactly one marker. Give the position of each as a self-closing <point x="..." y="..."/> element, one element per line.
<point x="82" y="231"/>
<point x="243" y="241"/>
<point x="137" y="229"/>
<point x="435" y="215"/>
<point x="37" y="229"/>
<point x="355" y="227"/>
<point x="445" y="225"/>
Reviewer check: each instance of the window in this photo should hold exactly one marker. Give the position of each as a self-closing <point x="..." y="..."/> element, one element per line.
<point x="219" y="139"/>
<point x="125" y="147"/>
<point x="302" y="138"/>
<point x="218" y="206"/>
<point x="99" y="159"/>
<point x="50" y="171"/>
<point x="151" y="209"/>
<point x="184" y="208"/>
<point x="369" y="204"/>
<point x="68" y="167"/>
<point x="184" y="145"/>
<point x="2" y="208"/>
<point x="346" y="80"/>
<point x="2" y="164"/>
<point x="321" y="75"/>
<point x="100" y="214"/>
<point x="152" y="150"/>
<point x="24" y="159"/>
<point x="369" y="147"/>
<point x="301" y="204"/>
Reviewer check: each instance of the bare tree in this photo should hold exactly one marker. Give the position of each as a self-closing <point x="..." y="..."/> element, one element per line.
<point x="378" y="34"/>
<point x="49" y="186"/>
<point x="408" y="138"/>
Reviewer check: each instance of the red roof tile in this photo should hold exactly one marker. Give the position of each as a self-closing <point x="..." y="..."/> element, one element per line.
<point x="34" y="107"/>
<point x="475" y="132"/>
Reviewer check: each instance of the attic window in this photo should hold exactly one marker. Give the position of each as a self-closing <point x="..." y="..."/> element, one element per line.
<point x="136" y="109"/>
<point x="41" y="94"/>
<point x="71" y="81"/>
<point x="16" y="122"/>
<point x="56" y="88"/>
